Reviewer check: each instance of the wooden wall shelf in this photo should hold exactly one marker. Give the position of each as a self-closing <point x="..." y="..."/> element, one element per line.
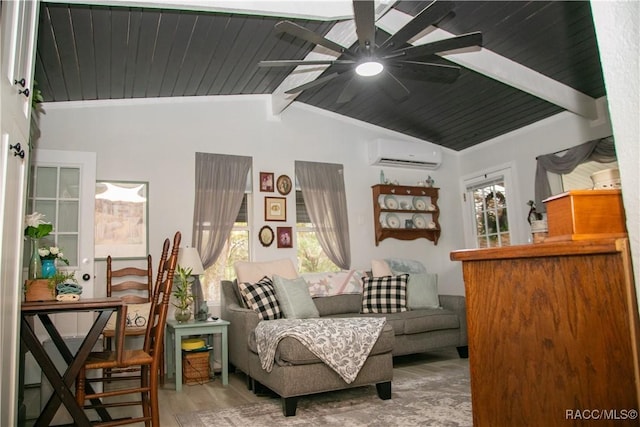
<point x="405" y="212"/>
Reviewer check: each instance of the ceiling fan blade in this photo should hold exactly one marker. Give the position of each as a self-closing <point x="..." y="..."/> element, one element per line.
<point x="349" y="91"/>
<point x="295" y="63"/>
<point x="364" y="14"/>
<point x="430" y="15"/>
<point x="427" y="49"/>
<point x="308" y="35"/>
<point x="311" y="84"/>
<point x="426" y="71"/>
<point x="393" y="87"/>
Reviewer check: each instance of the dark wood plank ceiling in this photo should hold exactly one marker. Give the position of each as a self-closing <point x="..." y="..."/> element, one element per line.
<point x="89" y="52"/>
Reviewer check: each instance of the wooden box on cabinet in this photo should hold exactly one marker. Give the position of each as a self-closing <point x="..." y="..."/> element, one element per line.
<point x="553" y="329"/>
<point x="585" y="214"/>
<point x="413" y="206"/>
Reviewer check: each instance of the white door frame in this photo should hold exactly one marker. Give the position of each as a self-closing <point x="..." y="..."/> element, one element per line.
<point x="506" y="172"/>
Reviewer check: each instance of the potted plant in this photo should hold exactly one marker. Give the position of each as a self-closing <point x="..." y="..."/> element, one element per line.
<point x="182" y="294"/>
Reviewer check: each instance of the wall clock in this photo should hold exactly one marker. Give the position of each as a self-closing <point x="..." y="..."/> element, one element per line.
<point x="266" y="236"/>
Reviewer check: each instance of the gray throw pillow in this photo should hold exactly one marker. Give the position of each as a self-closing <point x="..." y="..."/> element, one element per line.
<point x="422" y="291"/>
<point x="294" y="298"/>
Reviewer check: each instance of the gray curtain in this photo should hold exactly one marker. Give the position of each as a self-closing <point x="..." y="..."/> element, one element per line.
<point x="220" y="185"/>
<point x="599" y="150"/>
<point x="322" y="186"/>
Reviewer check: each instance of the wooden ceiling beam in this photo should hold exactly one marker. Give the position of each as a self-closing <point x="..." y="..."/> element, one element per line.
<point x="501" y="69"/>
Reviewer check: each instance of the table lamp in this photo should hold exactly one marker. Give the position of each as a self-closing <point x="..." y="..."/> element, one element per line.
<point x="190" y="258"/>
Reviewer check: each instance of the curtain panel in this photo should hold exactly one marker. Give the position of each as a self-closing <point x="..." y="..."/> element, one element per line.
<point x="220" y="185"/>
<point x="323" y="191"/>
<point x="599" y="150"/>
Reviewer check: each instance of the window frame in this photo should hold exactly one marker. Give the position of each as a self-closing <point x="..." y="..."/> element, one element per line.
<point x="504" y="173"/>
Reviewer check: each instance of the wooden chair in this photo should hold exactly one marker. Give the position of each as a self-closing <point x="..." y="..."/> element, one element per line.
<point x="127" y="281"/>
<point x="147" y="359"/>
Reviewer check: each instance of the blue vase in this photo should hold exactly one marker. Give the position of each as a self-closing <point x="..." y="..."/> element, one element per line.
<point x="48" y="268"/>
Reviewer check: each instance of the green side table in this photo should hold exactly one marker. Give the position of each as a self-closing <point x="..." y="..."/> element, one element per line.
<point x="173" y="349"/>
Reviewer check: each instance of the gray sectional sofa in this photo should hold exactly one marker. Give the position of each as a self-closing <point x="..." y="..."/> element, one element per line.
<point x="298" y="372"/>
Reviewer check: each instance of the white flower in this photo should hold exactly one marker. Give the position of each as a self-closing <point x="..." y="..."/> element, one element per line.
<point x="35" y="219"/>
<point x="60" y="255"/>
<point x="43" y="252"/>
<point x="54" y="250"/>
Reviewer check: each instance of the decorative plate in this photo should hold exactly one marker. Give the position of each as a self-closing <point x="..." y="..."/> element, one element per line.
<point x="283" y="184"/>
<point x="419" y="221"/>
<point x="420" y="203"/>
<point x="266" y="236"/>
<point x="393" y="221"/>
<point x="391" y="202"/>
<point x="431" y="225"/>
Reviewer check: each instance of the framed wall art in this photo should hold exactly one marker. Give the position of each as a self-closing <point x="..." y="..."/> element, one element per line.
<point x="285" y="237"/>
<point x="121" y="219"/>
<point x="266" y="182"/>
<point x="266" y="236"/>
<point x="275" y="209"/>
<point x="283" y="184"/>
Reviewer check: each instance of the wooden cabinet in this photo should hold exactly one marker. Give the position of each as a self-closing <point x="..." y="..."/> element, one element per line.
<point x="553" y="334"/>
<point x="405" y="212"/>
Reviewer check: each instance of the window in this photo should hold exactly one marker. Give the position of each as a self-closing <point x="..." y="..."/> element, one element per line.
<point x="487" y="198"/>
<point x="235" y="249"/>
<point x="311" y="257"/>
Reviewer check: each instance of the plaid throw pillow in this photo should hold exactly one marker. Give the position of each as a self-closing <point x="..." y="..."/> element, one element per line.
<point x="386" y="294"/>
<point x="261" y="297"/>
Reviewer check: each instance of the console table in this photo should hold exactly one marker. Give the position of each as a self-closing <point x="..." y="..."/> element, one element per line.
<point x="553" y="334"/>
<point x="173" y="351"/>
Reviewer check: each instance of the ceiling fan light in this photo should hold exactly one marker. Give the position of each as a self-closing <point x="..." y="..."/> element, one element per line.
<point x="369" y="68"/>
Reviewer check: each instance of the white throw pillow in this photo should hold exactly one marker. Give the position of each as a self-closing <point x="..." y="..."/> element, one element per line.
<point x="422" y="291"/>
<point x="252" y="272"/>
<point x="380" y="268"/>
<point x="142" y="310"/>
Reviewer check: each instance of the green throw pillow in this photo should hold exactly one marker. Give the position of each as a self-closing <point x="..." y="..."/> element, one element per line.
<point x="422" y="291"/>
<point x="294" y="298"/>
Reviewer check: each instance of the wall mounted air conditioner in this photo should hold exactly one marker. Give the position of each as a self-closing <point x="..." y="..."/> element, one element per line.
<point x="386" y="152"/>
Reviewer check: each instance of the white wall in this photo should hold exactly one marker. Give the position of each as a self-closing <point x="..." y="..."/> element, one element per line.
<point x="618" y="32"/>
<point x="155" y="141"/>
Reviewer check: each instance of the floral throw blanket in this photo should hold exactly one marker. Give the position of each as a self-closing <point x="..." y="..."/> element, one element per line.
<point x="343" y="344"/>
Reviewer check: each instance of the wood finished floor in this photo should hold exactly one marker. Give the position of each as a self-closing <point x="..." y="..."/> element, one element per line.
<point x="212" y="395"/>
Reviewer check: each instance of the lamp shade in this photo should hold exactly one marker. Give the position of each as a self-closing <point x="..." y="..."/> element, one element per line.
<point x="190" y="258"/>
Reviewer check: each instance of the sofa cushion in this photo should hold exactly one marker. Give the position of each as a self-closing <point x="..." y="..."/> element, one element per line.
<point x="422" y="291"/>
<point x="291" y="352"/>
<point x="384" y="294"/>
<point x="430" y="319"/>
<point x="334" y="283"/>
<point x="402" y="265"/>
<point x="416" y="321"/>
<point x="261" y="298"/>
<point x="380" y="268"/>
<point x="294" y="298"/>
<point x="339" y="304"/>
<point x="251" y="272"/>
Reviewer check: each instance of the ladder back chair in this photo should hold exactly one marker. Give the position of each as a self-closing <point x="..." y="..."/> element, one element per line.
<point x="135" y="286"/>
<point x="148" y="359"/>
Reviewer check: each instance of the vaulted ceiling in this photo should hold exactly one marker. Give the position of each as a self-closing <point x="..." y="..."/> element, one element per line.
<point x="539" y="58"/>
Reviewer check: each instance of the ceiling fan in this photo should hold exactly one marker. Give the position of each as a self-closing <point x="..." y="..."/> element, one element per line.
<point x="381" y="62"/>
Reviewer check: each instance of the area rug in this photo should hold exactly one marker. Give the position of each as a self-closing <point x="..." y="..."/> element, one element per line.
<point x="438" y="400"/>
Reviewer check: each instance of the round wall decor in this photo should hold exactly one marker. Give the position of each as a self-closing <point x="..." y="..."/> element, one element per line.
<point x="283" y="184"/>
<point x="266" y="236"/>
